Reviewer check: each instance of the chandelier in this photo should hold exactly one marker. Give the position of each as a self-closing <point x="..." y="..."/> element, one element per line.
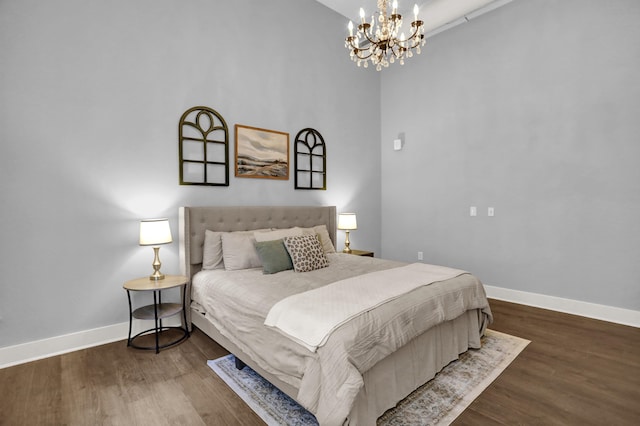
<point x="380" y="43"/>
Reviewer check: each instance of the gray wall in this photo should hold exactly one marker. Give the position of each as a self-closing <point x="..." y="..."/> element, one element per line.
<point x="533" y="109"/>
<point x="90" y="97"/>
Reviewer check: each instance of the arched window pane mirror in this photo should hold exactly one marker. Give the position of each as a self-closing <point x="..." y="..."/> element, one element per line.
<point x="310" y="154"/>
<point x="204" y="148"/>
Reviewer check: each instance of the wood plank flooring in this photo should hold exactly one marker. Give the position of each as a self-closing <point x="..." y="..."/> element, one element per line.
<point x="576" y="371"/>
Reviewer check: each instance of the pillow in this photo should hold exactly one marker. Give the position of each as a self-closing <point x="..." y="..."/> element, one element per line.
<point x="274" y="256"/>
<point x="238" y="251"/>
<point x="212" y="257"/>
<point x="306" y="253"/>
<point x="277" y="234"/>
<point x="325" y="239"/>
<point x="212" y="250"/>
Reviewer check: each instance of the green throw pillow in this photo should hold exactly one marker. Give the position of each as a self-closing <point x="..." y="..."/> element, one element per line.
<point x="274" y="256"/>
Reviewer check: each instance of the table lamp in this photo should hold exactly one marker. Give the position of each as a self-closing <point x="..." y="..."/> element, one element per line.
<point x="347" y="222"/>
<point x="154" y="232"/>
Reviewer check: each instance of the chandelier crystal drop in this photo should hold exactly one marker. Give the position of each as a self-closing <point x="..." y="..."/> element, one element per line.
<point x="379" y="41"/>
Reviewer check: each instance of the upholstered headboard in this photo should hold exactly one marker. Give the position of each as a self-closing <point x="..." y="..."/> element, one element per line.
<point x="194" y="221"/>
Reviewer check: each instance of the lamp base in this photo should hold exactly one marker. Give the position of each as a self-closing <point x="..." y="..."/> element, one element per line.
<point x="157" y="275"/>
<point x="347" y="249"/>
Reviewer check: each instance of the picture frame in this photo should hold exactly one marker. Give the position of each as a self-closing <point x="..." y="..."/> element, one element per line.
<point x="203" y="147"/>
<point x="261" y="153"/>
<point x="310" y="160"/>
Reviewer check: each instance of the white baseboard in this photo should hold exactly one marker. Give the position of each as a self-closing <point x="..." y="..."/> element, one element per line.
<point x="31" y="351"/>
<point x="39" y="349"/>
<point x="569" y="306"/>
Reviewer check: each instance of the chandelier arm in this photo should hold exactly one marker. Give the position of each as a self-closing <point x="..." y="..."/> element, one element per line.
<point x="415" y="38"/>
<point x="415" y="42"/>
<point x="357" y="50"/>
<point x="391" y="40"/>
<point x="363" y="57"/>
<point x="400" y="54"/>
<point x="368" y="38"/>
<point x="417" y="29"/>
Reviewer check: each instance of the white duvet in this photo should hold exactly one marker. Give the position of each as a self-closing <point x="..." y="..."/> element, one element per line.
<point x="309" y="317"/>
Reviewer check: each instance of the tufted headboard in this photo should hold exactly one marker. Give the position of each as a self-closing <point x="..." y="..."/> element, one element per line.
<point x="194" y="221"/>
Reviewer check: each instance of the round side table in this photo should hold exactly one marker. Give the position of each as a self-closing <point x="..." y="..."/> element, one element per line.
<point x="158" y="310"/>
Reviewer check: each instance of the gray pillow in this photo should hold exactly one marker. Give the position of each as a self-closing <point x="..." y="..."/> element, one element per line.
<point x="274" y="256"/>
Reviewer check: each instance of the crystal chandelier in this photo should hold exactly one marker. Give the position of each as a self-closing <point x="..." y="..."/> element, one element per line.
<point x="380" y="43"/>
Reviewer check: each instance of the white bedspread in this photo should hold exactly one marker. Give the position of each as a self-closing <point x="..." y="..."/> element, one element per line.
<point x="309" y="318"/>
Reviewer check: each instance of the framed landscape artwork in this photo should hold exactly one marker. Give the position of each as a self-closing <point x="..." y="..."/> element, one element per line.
<point x="261" y="153"/>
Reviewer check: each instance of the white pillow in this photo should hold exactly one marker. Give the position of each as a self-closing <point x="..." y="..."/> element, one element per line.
<point x="212" y="250"/>
<point x="277" y="234"/>
<point x="239" y="252"/>
<point x="323" y="234"/>
<point x="212" y="254"/>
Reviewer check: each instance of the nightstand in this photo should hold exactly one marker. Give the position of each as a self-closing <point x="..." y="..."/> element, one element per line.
<point x="158" y="310"/>
<point x="362" y="253"/>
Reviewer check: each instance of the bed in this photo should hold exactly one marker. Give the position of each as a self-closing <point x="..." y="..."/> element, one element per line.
<point x="393" y="347"/>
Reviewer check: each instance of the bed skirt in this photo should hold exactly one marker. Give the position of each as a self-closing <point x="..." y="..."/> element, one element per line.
<point x="393" y="378"/>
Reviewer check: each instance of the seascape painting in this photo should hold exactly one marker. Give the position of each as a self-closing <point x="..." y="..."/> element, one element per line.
<point x="261" y="153"/>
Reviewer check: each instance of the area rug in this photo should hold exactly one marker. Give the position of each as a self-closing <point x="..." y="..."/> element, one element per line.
<point x="437" y="402"/>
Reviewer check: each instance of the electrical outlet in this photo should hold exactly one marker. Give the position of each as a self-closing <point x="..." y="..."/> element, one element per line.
<point x="420" y="257"/>
<point x="473" y="211"/>
<point x="490" y="212"/>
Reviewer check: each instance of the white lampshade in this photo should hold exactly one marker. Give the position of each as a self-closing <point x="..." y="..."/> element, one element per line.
<point x="154" y="232"/>
<point x="347" y="221"/>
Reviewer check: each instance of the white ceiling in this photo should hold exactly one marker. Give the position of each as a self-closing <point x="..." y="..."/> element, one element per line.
<point x="438" y="15"/>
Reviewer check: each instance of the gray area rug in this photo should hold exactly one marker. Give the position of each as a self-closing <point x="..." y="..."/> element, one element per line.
<point x="437" y="402"/>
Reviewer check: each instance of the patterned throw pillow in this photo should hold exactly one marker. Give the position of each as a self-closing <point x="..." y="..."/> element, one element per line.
<point x="306" y="253"/>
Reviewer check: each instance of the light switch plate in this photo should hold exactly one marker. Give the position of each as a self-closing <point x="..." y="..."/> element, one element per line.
<point x="397" y="144"/>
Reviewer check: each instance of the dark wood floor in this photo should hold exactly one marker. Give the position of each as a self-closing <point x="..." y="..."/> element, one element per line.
<point x="576" y="371"/>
